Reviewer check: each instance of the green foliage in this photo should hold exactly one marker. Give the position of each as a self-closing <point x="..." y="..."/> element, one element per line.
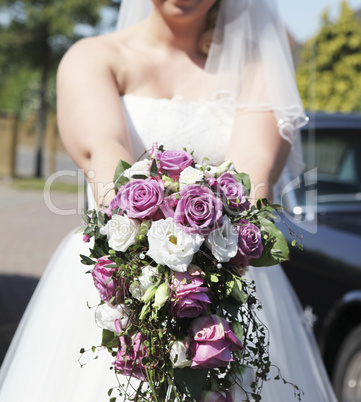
<point x="190" y="382"/>
<point x="33" y="38"/>
<point x="329" y="78"/>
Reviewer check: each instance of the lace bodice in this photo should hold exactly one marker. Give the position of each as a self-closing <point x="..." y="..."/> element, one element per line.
<point x="204" y="128"/>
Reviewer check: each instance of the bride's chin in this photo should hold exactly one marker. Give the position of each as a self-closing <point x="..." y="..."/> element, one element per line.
<point x="183" y="7"/>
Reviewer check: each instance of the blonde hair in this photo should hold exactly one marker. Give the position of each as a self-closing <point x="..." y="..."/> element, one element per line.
<point x="206" y="38"/>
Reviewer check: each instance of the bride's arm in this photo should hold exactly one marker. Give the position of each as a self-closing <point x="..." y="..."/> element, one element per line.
<point x="257" y="148"/>
<point x="90" y="115"/>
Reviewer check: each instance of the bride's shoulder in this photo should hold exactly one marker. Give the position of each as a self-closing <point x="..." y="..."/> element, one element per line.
<point x="104" y="50"/>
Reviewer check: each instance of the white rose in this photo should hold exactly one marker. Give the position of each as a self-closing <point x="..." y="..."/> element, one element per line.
<point x="121" y="232"/>
<point x="147" y="279"/>
<point x="106" y="314"/>
<point x="138" y="168"/>
<point x="178" y="355"/>
<point x="223" y="241"/>
<point x="170" y="245"/>
<point x="190" y="176"/>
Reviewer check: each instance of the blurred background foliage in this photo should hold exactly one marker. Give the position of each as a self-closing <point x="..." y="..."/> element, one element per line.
<point x="34" y="35"/>
<point x="329" y="74"/>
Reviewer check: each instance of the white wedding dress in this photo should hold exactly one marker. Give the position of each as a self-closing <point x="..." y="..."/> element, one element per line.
<point x="41" y="364"/>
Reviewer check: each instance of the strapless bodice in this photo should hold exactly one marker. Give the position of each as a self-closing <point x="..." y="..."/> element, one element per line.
<point x="202" y="127"/>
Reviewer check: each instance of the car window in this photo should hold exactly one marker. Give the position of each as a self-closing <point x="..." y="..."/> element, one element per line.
<point x="336" y="153"/>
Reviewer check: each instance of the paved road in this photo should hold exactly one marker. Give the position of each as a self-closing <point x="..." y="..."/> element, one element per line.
<point x="30" y="230"/>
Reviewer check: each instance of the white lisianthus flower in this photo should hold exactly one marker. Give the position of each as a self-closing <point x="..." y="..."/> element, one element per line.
<point x="121" y="232"/>
<point x="141" y="285"/>
<point x="170" y="245"/>
<point x="178" y="355"/>
<point x="190" y="176"/>
<point x="106" y="314"/>
<point x="208" y="170"/>
<point x="223" y="241"/>
<point x="138" y="168"/>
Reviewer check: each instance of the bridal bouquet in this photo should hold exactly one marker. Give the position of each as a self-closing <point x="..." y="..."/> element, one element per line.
<point x="168" y="258"/>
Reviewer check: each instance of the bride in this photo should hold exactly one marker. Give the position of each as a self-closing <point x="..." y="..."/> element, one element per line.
<point x="215" y="77"/>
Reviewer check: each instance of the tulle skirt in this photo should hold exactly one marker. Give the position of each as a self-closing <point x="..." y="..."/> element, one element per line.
<point x="42" y="362"/>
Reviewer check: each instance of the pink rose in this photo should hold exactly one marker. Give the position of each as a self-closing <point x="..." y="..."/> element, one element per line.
<point x="130" y="363"/>
<point x="249" y="244"/>
<point x="215" y="396"/>
<point x="141" y="199"/>
<point x="86" y="239"/>
<point x="213" y="341"/>
<point x="232" y="192"/>
<point x="108" y="286"/>
<point x="198" y="210"/>
<point x="173" y="162"/>
<point x="190" y="294"/>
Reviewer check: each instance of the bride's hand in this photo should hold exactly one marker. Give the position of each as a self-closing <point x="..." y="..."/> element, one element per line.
<point x="257" y="149"/>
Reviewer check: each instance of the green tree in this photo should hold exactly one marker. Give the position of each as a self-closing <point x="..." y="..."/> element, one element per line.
<point x="33" y="37"/>
<point x="329" y="78"/>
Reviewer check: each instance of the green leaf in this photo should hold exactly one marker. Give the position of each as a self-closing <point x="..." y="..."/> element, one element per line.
<point x="84" y="217"/>
<point x="119" y="179"/>
<point x="86" y="260"/>
<point x="101" y="218"/>
<point x="244" y="179"/>
<point x="230" y="307"/>
<point x="109" y="339"/>
<point x="139" y="176"/>
<point x="191" y="382"/>
<point x="154" y="169"/>
<point x="97" y="251"/>
<point x="277" y="251"/>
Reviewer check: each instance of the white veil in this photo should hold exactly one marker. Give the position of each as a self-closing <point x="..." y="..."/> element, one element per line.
<point x="249" y="64"/>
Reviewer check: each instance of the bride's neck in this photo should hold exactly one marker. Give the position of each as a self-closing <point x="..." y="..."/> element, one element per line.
<point x="175" y="33"/>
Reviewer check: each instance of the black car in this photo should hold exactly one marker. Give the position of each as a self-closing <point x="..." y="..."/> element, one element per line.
<point x="325" y="209"/>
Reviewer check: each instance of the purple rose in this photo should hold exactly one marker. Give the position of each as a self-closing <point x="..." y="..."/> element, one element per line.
<point x="198" y="210"/>
<point x="169" y="204"/>
<point x="190" y="294"/>
<point x="213" y="342"/>
<point x="130" y="363"/>
<point x="113" y="205"/>
<point x="107" y="285"/>
<point x="249" y="243"/>
<point x="232" y="191"/>
<point x="174" y="162"/>
<point x="141" y="199"/>
<point x="86" y="239"/>
<point x="215" y="396"/>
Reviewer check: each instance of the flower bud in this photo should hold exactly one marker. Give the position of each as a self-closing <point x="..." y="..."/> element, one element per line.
<point x="161" y="295"/>
<point x="170" y="184"/>
<point x="224" y="167"/>
<point x="150" y="292"/>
